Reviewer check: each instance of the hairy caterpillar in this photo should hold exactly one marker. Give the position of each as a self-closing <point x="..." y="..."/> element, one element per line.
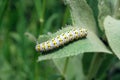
<point x="73" y="34"/>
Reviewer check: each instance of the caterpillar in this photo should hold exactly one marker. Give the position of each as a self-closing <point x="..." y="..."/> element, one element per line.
<point x="73" y="34"/>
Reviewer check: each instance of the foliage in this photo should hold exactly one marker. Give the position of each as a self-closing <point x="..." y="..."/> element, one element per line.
<point x="95" y="57"/>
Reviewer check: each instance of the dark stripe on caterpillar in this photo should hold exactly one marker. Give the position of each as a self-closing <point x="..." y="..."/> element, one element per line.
<point x="62" y="39"/>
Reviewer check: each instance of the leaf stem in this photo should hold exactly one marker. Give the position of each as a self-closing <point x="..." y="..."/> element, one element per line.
<point x="95" y="65"/>
<point x="66" y="64"/>
<point x="62" y="71"/>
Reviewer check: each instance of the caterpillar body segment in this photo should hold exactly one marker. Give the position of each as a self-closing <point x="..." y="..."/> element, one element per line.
<point x="62" y="39"/>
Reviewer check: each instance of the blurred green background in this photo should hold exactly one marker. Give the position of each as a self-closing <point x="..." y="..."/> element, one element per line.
<point x="18" y="58"/>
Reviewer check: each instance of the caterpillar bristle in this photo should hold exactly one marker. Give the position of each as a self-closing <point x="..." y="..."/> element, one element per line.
<point x="60" y="40"/>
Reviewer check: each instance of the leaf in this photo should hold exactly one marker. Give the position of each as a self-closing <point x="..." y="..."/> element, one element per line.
<point x="112" y="30"/>
<point x="117" y="9"/>
<point x="106" y="7"/>
<point x="38" y="7"/>
<point x="82" y="14"/>
<point x="89" y="44"/>
<point x="30" y="37"/>
<point x="106" y="63"/>
<point x="3" y="5"/>
<point x="6" y="72"/>
<point x="94" y="6"/>
<point x="72" y="71"/>
<point x="50" y="21"/>
<point x="86" y="62"/>
<point x="15" y="36"/>
<point x="43" y="38"/>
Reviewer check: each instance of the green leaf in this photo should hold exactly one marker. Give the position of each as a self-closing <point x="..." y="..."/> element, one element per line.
<point x="6" y="71"/>
<point x="107" y="7"/>
<point x="3" y="5"/>
<point x="117" y="9"/>
<point x="15" y="36"/>
<point x="86" y="62"/>
<point x="30" y="36"/>
<point x="106" y="64"/>
<point x="50" y="21"/>
<point x="89" y="44"/>
<point x="82" y="14"/>
<point x="43" y="38"/>
<point x="70" y="71"/>
<point x="94" y="6"/>
<point x="112" y="30"/>
<point x="38" y="6"/>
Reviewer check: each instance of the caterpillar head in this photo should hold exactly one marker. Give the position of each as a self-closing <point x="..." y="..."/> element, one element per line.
<point x="37" y="47"/>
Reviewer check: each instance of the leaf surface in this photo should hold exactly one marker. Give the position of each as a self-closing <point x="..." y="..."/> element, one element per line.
<point x="112" y="30"/>
<point x="89" y="44"/>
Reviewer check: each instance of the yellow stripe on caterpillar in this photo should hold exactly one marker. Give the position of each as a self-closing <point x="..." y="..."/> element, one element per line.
<point x="62" y="39"/>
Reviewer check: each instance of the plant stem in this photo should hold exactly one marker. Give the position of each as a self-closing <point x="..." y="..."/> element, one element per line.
<point x="95" y="65"/>
<point x="65" y="66"/>
<point x="42" y="15"/>
<point x="59" y="70"/>
<point x="62" y="70"/>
